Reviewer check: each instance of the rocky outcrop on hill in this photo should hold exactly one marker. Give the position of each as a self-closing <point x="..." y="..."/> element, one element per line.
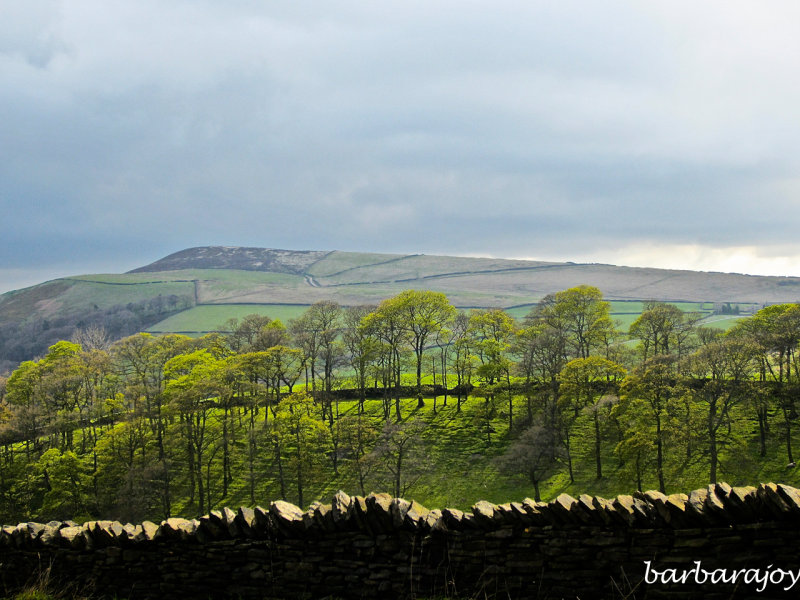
<point x="296" y="262"/>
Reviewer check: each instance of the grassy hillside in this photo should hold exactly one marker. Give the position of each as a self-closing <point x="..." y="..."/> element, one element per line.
<point x="211" y="317"/>
<point x="456" y="466"/>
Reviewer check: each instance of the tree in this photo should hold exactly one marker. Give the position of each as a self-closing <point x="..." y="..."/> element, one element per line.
<point x="93" y="337"/>
<point x="129" y="484"/>
<point x="421" y="314"/>
<point x="98" y="386"/>
<point x="720" y="371"/>
<point x="591" y="383"/>
<point x="580" y="314"/>
<point x="140" y="360"/>
<point x="385" y="324"/>
<point x="662" y="329"/>
<point x="303" y="438"/>
<point x="463" y="359"/>
<point x="316" y="332"/>
<point x="195" y="384"/>
<point x="635" y="451"/>
<point x="357" y="435"/>
<point x="60" y="387"/>
<point x="282" y="366"/>
<point x="444" y="341"/>
<point x="647" y="391"/>
<point x="542" y="351"/>
<point x="251" y="334"/>
<point x="399" y="451"/>
<point x="254" y="392"/>
<point x="493" y="332"/>
<point x="362" y="347"/>
<point x="531" y="454"/>
<point x="774" y="332"/>
<point x="67" y="482"/>
<point x="486" y="412"/>
<point x="29" y="412"/>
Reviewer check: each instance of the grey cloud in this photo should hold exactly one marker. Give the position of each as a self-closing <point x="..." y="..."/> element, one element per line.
<point x="415" y="126"/>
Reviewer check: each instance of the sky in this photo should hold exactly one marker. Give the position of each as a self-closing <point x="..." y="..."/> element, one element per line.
<point x="659" y="133"/>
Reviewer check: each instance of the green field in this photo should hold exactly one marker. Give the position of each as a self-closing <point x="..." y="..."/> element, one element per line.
<point x="210" y="317"/>
<point x="223" y="277"/>
<point x="721" y="321"/>
<point x="625" y="312"/>
<point x="135" y="278"/>
<point x="104" y="295"/>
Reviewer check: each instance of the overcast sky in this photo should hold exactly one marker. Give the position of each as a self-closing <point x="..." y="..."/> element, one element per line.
<point x="659" y="133"/>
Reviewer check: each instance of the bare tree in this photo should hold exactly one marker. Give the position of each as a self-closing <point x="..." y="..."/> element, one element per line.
<point x="399" y="452"/>
<point x="93" y="337"/>
<point x="532" y="454"/>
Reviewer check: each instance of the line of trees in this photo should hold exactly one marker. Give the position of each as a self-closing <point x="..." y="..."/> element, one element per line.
<point x="139" y="426"/>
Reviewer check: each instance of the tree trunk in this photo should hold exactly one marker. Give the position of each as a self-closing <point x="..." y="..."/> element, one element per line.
<point x="200" y="487"/>
<point x="397" y="386"/>
<point x="420" y="401"/>
<point x="597" y="459"/>
<point x="362" y="384"/>
<point x="712" y="442"/>
<point x="280" y="470"/>
<point x="529" y="406"/>
<point x="398" y="473"/>
<point x="660" y="456"/>
<point x="444" y="378"/>
<point x="569" y="457"/>
<point x="191" y="459"/>
<point x="251" y="459"/>
<point x="639" y="472"/>
<point x="299" y="479"/>
<point x="786" y="418"/>
<point x="226" y="468"/>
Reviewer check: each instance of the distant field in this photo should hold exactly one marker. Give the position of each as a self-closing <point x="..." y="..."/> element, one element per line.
<point x="721" y="322"/>
<point x="209" y="317"/>
<point x="353" y="278"/>
<point x="134" y="278"/>
<point x="103" y="295"/>
<point x="206" y="318"/>
<point x="414" y="267"/>
<point x="337" y="261"/>
<point x="222" y="276"/>
<point x="625" y="312"/>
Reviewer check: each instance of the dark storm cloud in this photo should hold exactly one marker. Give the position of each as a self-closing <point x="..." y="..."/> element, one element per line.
<point x="545" y="129"/>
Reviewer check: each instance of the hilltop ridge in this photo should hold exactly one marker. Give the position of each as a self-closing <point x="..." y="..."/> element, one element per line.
<point x="197" y="289"/>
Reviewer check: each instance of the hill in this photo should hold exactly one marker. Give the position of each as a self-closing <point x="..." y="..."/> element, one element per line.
<point x="197" y="289"/>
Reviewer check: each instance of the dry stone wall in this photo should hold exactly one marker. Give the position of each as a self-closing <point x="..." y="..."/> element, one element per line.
<point x="717" y="542"/>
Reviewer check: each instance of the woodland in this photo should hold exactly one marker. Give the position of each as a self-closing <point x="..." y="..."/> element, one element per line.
<point x="409" y="396"/>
